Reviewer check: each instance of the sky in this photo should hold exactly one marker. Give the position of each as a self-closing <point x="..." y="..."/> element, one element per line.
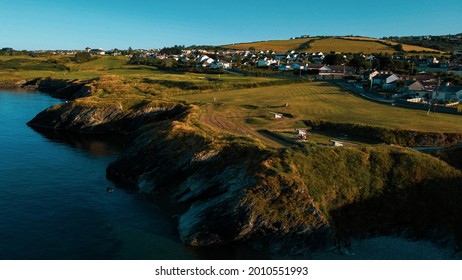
<point x="108" y="24"/>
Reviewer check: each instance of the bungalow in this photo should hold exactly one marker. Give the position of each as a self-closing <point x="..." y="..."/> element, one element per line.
<point x="418" y="89"/>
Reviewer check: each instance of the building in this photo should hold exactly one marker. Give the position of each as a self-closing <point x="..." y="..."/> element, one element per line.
<point x="448" y="93"/>
<point x="97" y="51"/>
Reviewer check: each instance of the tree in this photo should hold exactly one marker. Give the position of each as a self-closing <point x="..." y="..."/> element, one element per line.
<point x="359" y="63"/>
<point x="385" y="62"/>
<point x="399" y="48"/>
<point x="334" y="59"/>
<point x="81" y="57"/>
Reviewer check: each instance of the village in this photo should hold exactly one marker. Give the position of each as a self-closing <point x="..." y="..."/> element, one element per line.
<point x="419" y="79"/>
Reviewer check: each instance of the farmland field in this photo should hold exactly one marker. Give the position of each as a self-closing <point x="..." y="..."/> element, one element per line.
<point x="340" y="44"/>
<point x="274" y="45"/>
<point x="345" y="46"/>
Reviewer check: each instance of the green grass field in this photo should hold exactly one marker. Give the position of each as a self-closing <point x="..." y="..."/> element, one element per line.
<point x="143" y="78"/>
<point x="243" y="111"/>
<point x="249" y="110"/>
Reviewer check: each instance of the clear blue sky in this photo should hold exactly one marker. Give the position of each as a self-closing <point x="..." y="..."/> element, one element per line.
<point x="107" y="24"/>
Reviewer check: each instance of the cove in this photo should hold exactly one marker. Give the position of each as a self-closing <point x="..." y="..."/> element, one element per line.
<point x="54" y="201"/>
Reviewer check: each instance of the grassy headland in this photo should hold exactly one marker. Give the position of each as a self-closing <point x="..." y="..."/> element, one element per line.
<point x="197" y="140"/>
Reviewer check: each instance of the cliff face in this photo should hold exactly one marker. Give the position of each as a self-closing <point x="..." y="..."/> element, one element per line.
<point x="81" y="117"/>
<point x="226" y="186"/>
<point x="63" y="89"/>
<point x="288" y="202"/>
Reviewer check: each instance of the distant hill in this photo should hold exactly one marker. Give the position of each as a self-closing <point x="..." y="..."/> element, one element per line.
<point x="332" y="44"/>
<point x="446" y="43"/>
<point x="274" y="45"/>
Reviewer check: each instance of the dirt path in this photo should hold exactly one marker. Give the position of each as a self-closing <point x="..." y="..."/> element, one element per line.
<point x="231" y="122"/>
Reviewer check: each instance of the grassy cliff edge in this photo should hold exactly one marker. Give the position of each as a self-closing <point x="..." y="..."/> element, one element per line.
<point x="286" y="201"/>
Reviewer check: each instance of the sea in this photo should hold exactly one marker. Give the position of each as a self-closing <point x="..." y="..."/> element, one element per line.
<point x="54" y="199"/>
<point x="55" y="204"/>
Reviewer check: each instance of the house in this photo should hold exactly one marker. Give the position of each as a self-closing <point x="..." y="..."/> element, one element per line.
<point x="204" y="61"/>
<point x="368" y="75"/>
<point x="266" y="62"/>
<point x="417" y="89"/>
<point x="456" y="70"/>
<point x="432" y="67"/>
<point x="414" y="86"/>
<point x="448" y="93"/>
<point x="216" y="64"/>
<point x="299" y="66"/>
<point x="334" y="71"/>
<point x="317" y="58"/>
<point x="284" y="67"/>
<point x="437" y="67"/>
<point x="97" y="51"/>
<point x="382" y="79"/>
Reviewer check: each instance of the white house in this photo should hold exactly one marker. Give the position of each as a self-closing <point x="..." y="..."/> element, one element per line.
<point x="382" y="79"/>
<point x="266" y="62"/>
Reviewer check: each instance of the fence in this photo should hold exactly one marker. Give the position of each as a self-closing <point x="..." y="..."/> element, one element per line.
<point x="433" y="108"/>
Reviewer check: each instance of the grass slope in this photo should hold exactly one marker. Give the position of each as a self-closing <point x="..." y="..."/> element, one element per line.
<point x="330" y="44"/>
<point x="247" y="110"/>
<point x="274" y="45"/>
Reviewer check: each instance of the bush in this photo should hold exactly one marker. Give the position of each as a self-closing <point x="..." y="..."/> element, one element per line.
<point x="81" y="57"/>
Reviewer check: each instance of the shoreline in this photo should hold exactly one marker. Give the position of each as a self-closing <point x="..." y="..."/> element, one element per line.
<point x="195" y="173"/>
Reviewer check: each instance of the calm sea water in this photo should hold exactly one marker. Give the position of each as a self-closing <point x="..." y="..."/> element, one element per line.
<point x="53" y="198"/>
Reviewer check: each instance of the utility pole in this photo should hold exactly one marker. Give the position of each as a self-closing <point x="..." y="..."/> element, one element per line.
<point x="436" y="97"/>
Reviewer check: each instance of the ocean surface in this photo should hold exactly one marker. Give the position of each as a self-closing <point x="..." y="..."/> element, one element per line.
<point x="54" y="202"/>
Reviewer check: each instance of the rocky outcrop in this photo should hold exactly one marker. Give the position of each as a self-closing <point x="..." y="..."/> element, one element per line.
<point x="11" y="84"/>
<point x="227" y="192"/>
<point x="79" y="117"/>
<point x="63" y="89"/>
<point x="226" y="189"/>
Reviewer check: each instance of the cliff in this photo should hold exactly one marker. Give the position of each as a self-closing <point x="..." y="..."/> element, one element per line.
<point x="287" y="202"/>
<point x="58" y="88"/>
